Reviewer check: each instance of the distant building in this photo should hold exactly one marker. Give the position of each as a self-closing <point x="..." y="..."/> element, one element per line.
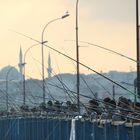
<point x="21" y="66"/>
<point x="49" y="69"/>
<point x="11" y="73"/>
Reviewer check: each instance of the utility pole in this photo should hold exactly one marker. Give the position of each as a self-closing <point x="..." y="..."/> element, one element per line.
<point x="137" y="43"/>
<point x="77" y="56"/>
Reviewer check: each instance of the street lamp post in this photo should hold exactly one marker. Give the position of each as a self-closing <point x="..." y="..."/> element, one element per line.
<point x="42" y="51"/>
<point x="7" y="86"/>
<point x="24" y="71"/>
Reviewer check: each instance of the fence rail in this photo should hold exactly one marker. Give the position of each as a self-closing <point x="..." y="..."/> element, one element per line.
<point x="60" y="129"/>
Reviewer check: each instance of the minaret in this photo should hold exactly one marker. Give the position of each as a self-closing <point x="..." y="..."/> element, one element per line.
<point x="49" y="69"/>
<point x="20" y="62"/>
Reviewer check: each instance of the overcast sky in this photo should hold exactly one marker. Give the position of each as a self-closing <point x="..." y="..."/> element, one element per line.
<point x="109" y="23"/>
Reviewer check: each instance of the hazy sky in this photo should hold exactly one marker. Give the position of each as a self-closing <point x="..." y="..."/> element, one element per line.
<point x="109" y="23"/>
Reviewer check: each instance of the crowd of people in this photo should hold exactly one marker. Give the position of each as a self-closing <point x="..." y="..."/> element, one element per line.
<point x="121" y="110"/>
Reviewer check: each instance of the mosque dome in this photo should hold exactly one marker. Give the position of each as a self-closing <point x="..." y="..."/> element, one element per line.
<point x="11" y="72"/>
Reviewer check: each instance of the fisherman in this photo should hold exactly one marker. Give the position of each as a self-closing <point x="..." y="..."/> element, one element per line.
<point x="93" y="107"/>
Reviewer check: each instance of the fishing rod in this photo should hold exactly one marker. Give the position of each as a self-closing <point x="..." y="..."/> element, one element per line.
<point x="81" y="95"/>
<point x="83" y="79"/>
<point x="60" y="80"/>
<point x="104" y="48"/>
<point x="75" y="92"/>
<point x="113" y="52"/>
<point x="90" y="69"/>
<point x="57" y="79"/>
<point x="61" y="88"/>
<point x="102" y="86"/>
<point x="79" y="63"/>
<point x="45" y="83"/>
<point x="94" y="80"/>
<point x="90" y="98"/>
<point x="99" y="100"/>
<point x="63" y="85"/>
<point x="68" y="90"/>
<point x="109" y="104"/>
<point x="86" y="107"/>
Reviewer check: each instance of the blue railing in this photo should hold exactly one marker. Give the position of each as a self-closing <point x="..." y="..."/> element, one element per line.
<point x="60" y="129"/>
